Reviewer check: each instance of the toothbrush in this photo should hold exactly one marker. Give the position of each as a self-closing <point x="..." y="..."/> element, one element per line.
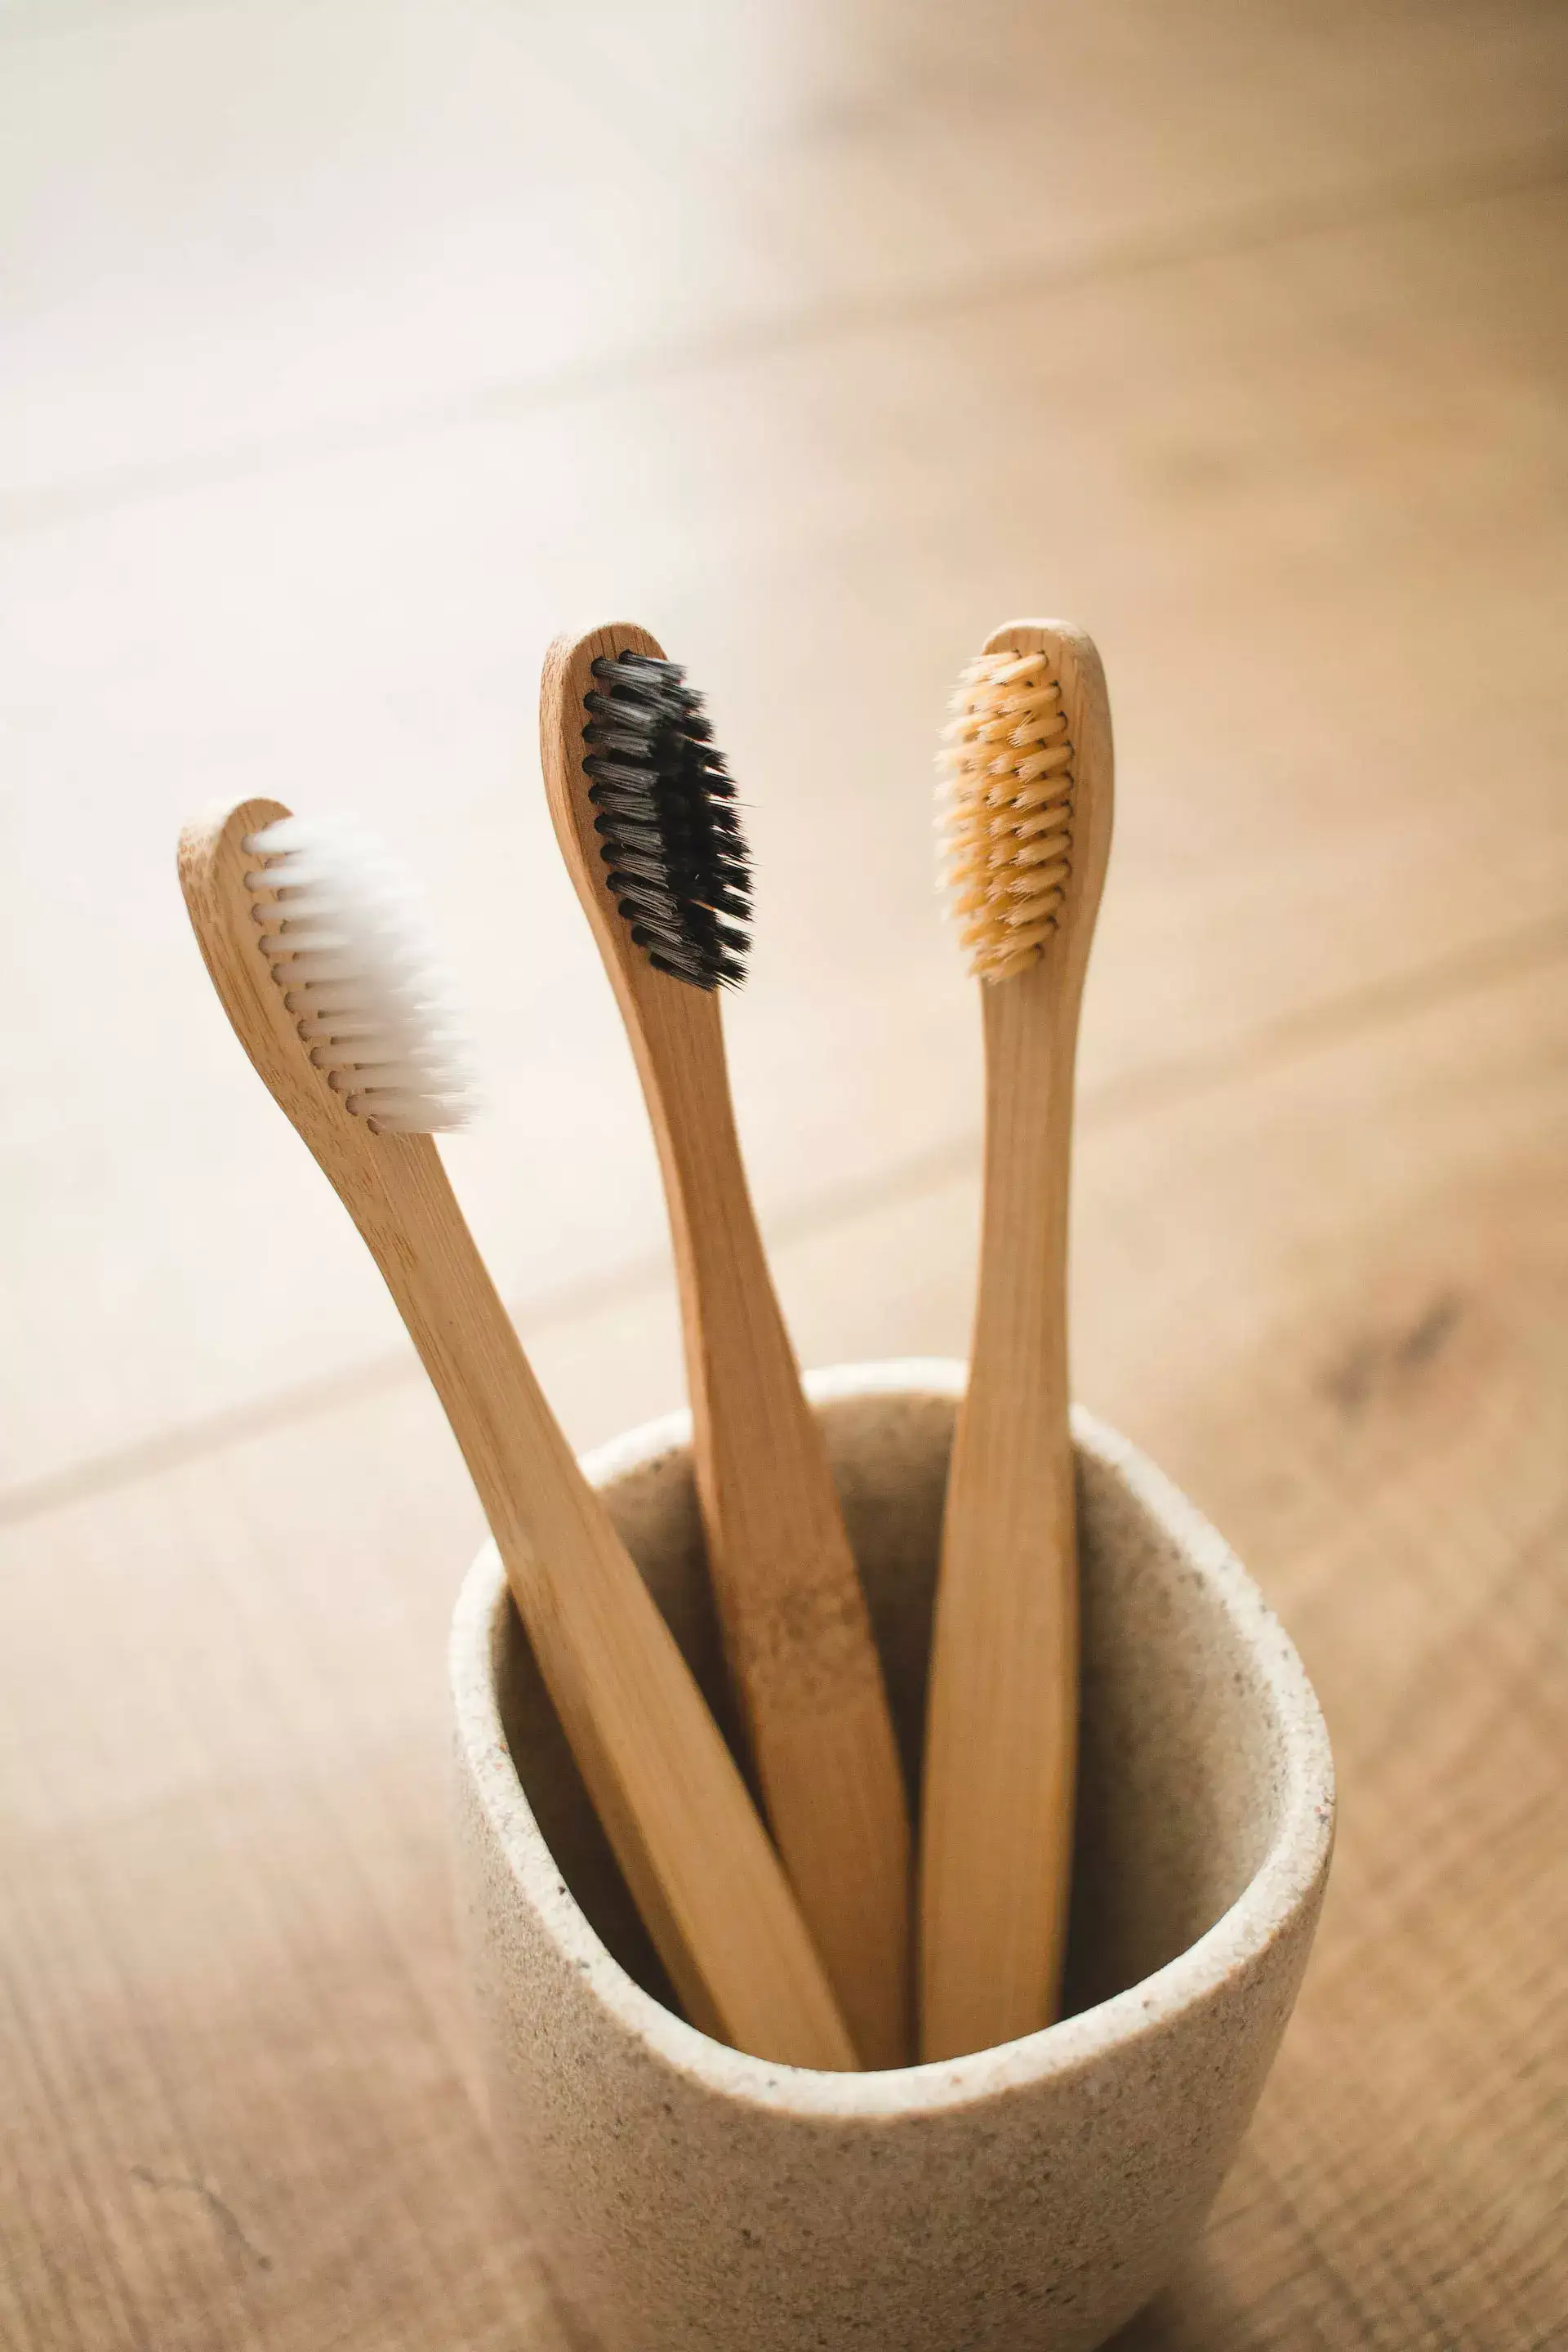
<point x="646" y="816"/>
<point x="315" y="950"/>
<point x="1028" y="836"/>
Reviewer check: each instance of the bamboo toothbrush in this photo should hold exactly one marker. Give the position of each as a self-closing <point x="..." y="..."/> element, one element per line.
<point x="646" y="817"/>
<point x="315" y="951"/>
<point x="1027" y="835"/>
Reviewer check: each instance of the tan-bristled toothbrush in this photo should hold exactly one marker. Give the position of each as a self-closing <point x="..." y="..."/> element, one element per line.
<point x="646" y="817"/>
<point x="1028" y="834"/>
<point x="314" y="949"/>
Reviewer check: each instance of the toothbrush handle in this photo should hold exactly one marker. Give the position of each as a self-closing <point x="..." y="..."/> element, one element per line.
<point x="671" y="1800"/>
<point x="797" y="1628"/>
<point x="1002" y="1715"/>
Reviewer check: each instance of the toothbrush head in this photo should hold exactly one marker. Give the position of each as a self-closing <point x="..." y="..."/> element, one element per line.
<point x="1026" y="748"/>
<point x="669" y="832"/>
<point x="318" y="947"/>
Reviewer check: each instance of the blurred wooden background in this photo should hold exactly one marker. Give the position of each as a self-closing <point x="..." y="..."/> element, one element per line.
<point x="352" y="350"/>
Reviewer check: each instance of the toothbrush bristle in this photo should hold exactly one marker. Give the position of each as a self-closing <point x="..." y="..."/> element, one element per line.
<point x="668" y="820"/>
<point x="1007" y="827"/>
<point x="345" y="932"/>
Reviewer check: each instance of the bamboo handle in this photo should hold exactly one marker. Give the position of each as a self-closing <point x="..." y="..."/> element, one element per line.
<point x="667" y="1789"/>
<point x="797" y="1628"/>
<point x="1002" y="1720"/>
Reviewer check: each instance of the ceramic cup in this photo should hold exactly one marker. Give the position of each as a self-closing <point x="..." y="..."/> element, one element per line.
<point x="684" y="2195"/>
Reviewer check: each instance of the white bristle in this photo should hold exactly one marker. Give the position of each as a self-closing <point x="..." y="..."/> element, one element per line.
<point x="346" y="937"/>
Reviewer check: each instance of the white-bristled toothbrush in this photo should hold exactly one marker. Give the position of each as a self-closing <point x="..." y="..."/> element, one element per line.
<point x="314" y="949"/>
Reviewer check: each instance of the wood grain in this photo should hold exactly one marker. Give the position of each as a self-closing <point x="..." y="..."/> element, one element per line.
<point x="802" y="168"/>
<point x="1002" y="1715"/>
<point x="798" y="1633"/>
<point x="1220" y="435"/>
<point x="675" y="1809"/>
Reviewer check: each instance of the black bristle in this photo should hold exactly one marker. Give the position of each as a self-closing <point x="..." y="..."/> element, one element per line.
<point x="670" y="831"/>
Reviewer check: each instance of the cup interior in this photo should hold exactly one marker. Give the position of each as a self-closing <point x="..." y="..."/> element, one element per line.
<point x="1181" y="1774"/>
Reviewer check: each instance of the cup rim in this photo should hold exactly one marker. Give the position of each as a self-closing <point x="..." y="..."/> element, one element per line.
<point x="1287" y="1877"/>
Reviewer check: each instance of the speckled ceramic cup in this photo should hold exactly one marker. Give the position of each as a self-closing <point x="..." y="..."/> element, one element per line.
<point x="1033" y="2195"/>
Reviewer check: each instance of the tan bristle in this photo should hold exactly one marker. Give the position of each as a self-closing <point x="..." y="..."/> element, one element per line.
<point x="1007" y="827"/>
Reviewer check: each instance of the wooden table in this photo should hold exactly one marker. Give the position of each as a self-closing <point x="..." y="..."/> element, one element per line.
<point x="358" y="351"/>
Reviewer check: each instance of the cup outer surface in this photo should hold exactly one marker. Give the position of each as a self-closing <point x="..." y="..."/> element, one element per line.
<point x="685" y="2195"/>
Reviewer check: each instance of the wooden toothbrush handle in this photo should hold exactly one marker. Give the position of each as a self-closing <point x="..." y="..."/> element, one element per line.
<point x="796" y="1629"/>
<point x="677" y="1814"/>
<point x="1002" y="1714"/>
